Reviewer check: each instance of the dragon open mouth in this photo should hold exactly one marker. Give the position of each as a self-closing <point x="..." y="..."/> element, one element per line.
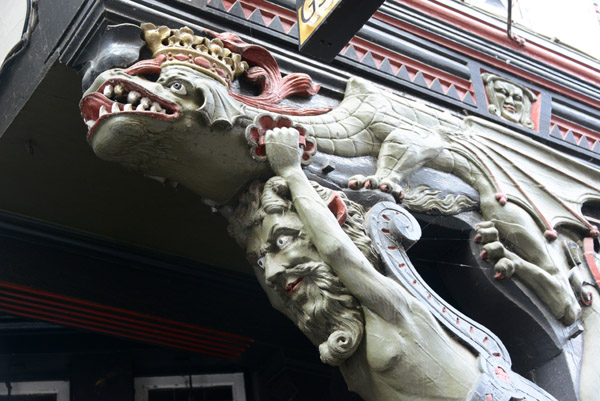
<point x="291" y="288"/>
<point x="118" y="96"/>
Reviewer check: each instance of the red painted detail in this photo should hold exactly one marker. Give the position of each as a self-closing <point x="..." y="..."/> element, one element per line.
<point x="594" y="232"/>
<point x="385" y="230"/>
<point x="499" y="276"/>
<point x="385" y="217"/>
<point x="43" y="305"/>
<point x="471" y="330"/>
<point x="579" y="132"/>
<point x="486" y="340"/>
<point x="392" y="248"/>
<point x="489" y="397"/>
<point x="551" y="235"/>
<point x="502" y="375"/>
<point x="291" y="288"/>
<point x="476" y="26"/>
<point x="401" y="265"/>
<point x="181" y="57"/>
<point x="255" y="135"/>
<point x="202" y="62"/>
<point x="589" y="255"/>
<point x="413" y="67"/>
<point x="265" y="73"/>
<point x="268" y="10"/>
<point x="146" y="67"/>
<point x="338" y="207"/>
<point x="501" y="198"/>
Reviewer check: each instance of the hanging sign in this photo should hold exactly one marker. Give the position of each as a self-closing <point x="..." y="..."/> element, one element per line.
<point x="326" y="26"/>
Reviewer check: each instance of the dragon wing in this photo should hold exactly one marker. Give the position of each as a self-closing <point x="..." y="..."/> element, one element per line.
<point x="551" y="185"/>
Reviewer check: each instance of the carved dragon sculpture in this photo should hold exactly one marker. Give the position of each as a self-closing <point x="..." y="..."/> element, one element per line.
<point x="176" y="116"/>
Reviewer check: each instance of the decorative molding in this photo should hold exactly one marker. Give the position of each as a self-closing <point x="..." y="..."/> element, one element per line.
<point x="575" y="134"/>
<point x="498" y="35"/>
<point x="260" y="12"/>
<point x="407" y="69"/>
<point x="497" y="62"/>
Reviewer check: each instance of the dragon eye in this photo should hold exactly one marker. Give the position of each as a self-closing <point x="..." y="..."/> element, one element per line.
<point x="261" y="263"/>
<point x="177" y="87"/>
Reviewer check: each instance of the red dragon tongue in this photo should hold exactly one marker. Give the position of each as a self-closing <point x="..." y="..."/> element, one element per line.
<point x="90" y="106"/>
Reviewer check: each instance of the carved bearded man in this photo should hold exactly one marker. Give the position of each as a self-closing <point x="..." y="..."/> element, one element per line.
<point x="387" y="345"/>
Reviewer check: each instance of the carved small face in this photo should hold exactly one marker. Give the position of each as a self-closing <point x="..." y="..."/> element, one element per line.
<point x="278" y="248"/>
<point x="509" y="100"/>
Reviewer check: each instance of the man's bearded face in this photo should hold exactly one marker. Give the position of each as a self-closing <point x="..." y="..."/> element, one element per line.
<point x="292" y="268"/>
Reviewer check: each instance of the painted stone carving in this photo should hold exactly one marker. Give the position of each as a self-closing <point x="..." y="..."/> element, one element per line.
<point x="509" y="100"/>
<point x="325" y="278"/>
<point x="177" y="116"/>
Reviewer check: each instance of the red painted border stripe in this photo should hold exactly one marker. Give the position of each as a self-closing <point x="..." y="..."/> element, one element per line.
<point x="56" y="308"/>
<point x="115" y="317"/>
<point x="112" y="321"/>
<point x="70" y="300"/>
<point x="578" y="130"/>
<point x="378" y="52"/>
<point x="28" y="307"/>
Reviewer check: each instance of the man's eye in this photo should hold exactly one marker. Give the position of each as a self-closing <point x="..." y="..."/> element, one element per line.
<point x="261" y="263"/>
<point x="283" y="241"/>
<point x="178" y="87"/>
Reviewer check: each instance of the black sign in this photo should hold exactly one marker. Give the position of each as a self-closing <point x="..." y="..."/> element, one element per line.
<point x="326" y="26"/>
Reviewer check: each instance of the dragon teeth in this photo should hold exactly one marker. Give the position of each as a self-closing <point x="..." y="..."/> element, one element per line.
<point x="108" y="90"/>
<point x="115" y="108"/>
<point x="119" y="90"/>
<point x="140" y="107"/>
<point x="145" y="102"/>
<point x="90" y="123"/>
<point x="128" y="107"/>
<point x="102" y="111"/>
<point x="133" y="97"/>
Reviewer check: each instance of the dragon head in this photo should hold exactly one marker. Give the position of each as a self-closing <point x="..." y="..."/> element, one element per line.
<point x="173" y="122"/>
<point x="175" y="115"/>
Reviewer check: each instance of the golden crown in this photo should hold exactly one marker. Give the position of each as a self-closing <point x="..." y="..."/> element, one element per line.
<point x="182" y="47"/>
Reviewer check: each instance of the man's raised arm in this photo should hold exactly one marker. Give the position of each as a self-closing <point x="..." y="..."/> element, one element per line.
<point x="337" y="250"/>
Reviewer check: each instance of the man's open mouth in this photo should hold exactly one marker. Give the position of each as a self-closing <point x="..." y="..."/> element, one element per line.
<point x="291" y="288"/>
<point x="118" y="96"/>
